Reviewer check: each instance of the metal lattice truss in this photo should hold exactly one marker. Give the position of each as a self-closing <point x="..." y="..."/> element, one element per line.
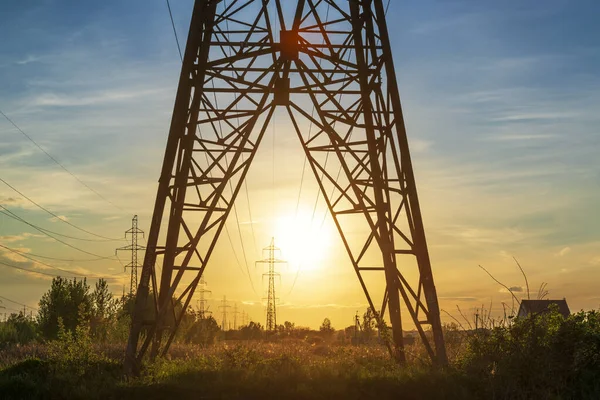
<point x="332" y="71"/>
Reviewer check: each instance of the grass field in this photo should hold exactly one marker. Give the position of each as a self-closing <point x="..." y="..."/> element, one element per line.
<point x="289" y="369"/>
<point x="543" y="357"/>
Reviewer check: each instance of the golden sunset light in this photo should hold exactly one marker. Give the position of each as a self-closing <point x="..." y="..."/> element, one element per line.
<point x="353" y="199"/>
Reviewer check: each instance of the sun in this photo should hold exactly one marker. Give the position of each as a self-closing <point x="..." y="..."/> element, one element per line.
<point x="304" y="241"/>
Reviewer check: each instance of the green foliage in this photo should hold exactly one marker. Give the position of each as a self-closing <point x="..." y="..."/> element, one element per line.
<point x="68" y="300"/>
<point x="326" y="327"/>
<point x="542" y="356"/>
<point x="18" y="329"/>
<point x="72" y="351"/>
<point x="369" y="325"/>
<point x="203" y="331"/>
<point x="253" y="330"/>
<point x="71" y="368"/>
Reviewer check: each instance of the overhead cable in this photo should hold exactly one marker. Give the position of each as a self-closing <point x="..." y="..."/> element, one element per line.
<point x="62" y="219"/>
<point x="58" y="163"/>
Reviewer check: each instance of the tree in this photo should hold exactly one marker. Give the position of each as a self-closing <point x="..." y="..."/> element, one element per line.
<point x="104" y="306"/>
<point x="252" y="331"/>
<point x="68" y="300"/>
<point x="369" y="324"/>
<point x="326" y="327"/>
<point x="104" y="309"/>
<point x="288" y="328"/>
<point x="203" y="331"/>
<point x="17" y="329"/>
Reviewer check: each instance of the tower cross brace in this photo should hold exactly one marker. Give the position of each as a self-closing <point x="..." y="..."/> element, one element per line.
<point x="243" y="60"/>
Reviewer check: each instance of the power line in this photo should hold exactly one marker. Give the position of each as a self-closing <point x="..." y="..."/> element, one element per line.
<point x="52" y="266"/>
<point x="243" y="160"/>
<point x="55" y="275"/>
<point x="16" y="302"/>
<point x="305" y="160"/>
<point x="60" y="259"/>
<point x="210" y="174"/>
<point x="237" y="220"/>
<point x="106" y="239"/>
<point x="40" y="262"/>
<point x="49" y="235"/>
<point x="58" y="163"/>
<point x="28" y="270"/>
<point x="12" y="309"/>
<point x="20" y="219"/>
<point x="174" y="30"/>
<point x="387" y="7"/>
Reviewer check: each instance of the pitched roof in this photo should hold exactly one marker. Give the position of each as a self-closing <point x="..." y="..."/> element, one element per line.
<point x="540" y="306"/>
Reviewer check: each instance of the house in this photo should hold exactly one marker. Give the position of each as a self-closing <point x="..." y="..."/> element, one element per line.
<point x="529" y="307"/>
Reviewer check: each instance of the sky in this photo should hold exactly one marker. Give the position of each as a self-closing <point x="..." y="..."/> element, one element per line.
<point x="501" y="104"/>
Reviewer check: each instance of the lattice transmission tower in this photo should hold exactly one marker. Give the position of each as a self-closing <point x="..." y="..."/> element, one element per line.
<point x="224" y="306"/>
<point x="133" y="248"/>
<point x="271" y="259"/>
<point x="202" y="302"/>
<point x="243" y="60"/>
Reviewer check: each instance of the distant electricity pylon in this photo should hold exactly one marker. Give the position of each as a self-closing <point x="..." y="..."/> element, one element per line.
<point x="235" y="314"/>
<point x="271" y="259"/>
<point x="224" y="306"/>
<point x="202" y="308"/>
<point x="134" y="248"/>
<point x="328" y="66"/>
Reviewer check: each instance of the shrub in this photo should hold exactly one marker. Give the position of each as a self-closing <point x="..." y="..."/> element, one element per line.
<point x="17" y="329"/>
<point x="542" y="356"/>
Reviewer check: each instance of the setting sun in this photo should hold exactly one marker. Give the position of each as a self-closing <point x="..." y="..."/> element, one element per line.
<point x="304" y="241"/>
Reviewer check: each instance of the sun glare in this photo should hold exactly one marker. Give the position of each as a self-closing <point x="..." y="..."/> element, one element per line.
<point x="304" y="241"/>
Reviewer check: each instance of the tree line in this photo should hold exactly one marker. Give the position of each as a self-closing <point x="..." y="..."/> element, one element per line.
<point x="72" y="304"/>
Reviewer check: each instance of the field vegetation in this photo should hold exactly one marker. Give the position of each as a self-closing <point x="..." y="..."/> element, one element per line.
<point x="74" y="349"/>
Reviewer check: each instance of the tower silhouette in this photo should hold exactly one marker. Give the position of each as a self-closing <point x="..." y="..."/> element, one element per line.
<point x="133" y="248"/>
<point x="235" y="314"/>
<point x="224" y="306"/>
<point x="243" y="60"/>
<point x="202" y="291"/>
<point x="271" y="260"/>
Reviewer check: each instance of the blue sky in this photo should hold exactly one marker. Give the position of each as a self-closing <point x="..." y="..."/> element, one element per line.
<point x="501" y="102"/>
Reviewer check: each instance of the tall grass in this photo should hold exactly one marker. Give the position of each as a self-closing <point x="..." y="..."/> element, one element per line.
<point x="542" y="357"/>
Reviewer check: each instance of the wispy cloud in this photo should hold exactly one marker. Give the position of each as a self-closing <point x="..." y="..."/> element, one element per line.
<point x="358" y="306"/>
<point x="459" y="298"/>
<point x="18" y="238"/>
<point x="522" y="137"/>
<point x="93" y="99"/>
<point x="60" y="217"/>
<point x="27" y="60"/>
<point x="10" y="200"/>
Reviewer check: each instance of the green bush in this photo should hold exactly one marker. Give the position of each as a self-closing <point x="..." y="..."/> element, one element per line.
<point x="544" y="356"/>
<point x="17" y="329"/>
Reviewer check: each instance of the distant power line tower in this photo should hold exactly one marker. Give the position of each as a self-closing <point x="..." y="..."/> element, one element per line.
<point x="271" y="260"/>
<point x="328" y="66"/>
<point x="202" y="307"/>
<point x="357" y="327"/>
<point x="133" y="248"/>
<point x="235" y="314"/>
<point x="224" y="306"/>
